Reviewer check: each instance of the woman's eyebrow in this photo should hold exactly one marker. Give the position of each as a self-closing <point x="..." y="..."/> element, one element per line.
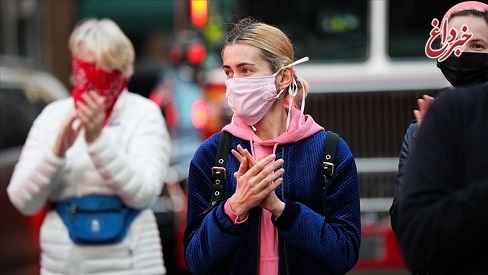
<point x="478" y="40"/>
<point x="245" y="64"/>
<point x="239" y="65"/>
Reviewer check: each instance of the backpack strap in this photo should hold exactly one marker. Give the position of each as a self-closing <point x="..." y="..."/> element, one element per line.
<point x="329" y="156"/>
<point x="218" y="170"/>
<point x="218" y="179"/>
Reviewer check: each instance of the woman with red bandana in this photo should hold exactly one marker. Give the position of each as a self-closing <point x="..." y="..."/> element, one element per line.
<point x="103" y="142"/>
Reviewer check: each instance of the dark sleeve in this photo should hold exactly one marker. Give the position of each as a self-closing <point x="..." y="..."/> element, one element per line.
<point x="332" y="241"/>
<point x="408" y="143"/>
<point x="209" y="237"/>
<point x="442" y="219"/>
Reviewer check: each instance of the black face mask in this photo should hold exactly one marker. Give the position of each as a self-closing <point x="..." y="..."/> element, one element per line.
<point x="469" y="68"/>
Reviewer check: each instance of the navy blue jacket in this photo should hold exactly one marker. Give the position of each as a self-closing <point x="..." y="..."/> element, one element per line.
<point x="308" y="242"/>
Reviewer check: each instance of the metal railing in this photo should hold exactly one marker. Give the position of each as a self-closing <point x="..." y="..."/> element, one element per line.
<point x="373" y="124"/>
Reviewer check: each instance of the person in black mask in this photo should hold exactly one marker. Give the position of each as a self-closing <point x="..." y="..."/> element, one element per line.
<point x="469" y="68"/>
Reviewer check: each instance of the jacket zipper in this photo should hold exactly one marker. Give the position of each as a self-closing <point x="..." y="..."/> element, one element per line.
<point x="283" y="198"/>
<point x="259" y="242"/>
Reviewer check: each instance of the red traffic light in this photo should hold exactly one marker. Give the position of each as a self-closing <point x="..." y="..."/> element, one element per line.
<point x="196" y="54"/>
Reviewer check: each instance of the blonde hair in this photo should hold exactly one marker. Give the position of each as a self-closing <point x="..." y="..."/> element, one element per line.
<point x="276" y="48"/>
<point x="104" y="38"/>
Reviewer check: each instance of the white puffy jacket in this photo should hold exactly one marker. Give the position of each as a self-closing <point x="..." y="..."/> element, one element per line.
<point x="129" y="159"/>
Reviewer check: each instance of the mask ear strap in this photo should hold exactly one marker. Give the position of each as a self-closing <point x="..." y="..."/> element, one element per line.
<point x="280" y="93"/>
<point x="293" y="88"/>
<point x="292" y="92"/>
<point x="290" y="107"/>
<point x="304" y="94"/>
<point x="299" y="61"/>
<point x="302" y="107"/>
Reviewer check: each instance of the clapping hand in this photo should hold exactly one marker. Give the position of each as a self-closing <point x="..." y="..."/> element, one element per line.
<point x="67" y="136"/>
<point x="91" y="112"/>
<point x="424" y="104"/>
<point x="256" y="186"/>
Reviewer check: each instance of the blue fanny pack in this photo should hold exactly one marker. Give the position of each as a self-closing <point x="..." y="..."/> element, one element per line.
<point x="96" y="219"/>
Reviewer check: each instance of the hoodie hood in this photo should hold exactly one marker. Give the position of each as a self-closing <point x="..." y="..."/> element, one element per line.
<point x="239" y="129"/>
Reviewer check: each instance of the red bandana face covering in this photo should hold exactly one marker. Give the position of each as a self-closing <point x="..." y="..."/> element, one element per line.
<point x="87" y="77"/>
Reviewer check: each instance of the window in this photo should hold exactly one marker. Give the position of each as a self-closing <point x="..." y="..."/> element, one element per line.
<point x="338" y="30"/>
<point x="17" y="113"/>
<point x="23" y="94"/>
<point x="331" y="30"/>
<point x="410" y="25"/>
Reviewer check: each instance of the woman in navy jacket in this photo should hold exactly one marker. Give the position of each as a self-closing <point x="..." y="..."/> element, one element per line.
<point x="270" y="219"/>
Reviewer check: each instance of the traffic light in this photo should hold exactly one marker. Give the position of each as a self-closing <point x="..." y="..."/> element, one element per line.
<point x="198" y="12"/>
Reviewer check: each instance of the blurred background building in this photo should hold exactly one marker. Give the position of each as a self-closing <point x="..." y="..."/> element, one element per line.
<point x="367" y="68"/>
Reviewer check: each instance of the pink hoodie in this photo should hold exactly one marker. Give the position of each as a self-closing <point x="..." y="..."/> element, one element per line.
<point x="268" y="247"/>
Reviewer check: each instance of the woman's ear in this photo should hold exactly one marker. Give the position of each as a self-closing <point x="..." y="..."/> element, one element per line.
<point x="284" y="78"/>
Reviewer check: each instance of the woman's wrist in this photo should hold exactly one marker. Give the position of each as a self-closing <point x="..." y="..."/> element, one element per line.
<point x="58" y="151"/>
<point x="238" y="209"/>
<point x="278" y="209"/>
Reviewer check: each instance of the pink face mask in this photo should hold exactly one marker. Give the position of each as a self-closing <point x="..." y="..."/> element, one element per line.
<point x="250" y="98"/>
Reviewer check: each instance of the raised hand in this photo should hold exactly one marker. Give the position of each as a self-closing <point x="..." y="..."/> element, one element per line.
<point x="256" y="183"/>
<point x="242" y="153"/>
<point x="424" y="104"/>
<point x="67" y="136"/>
<point x="271" y="203"/>
<point x="91" y="111"/>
